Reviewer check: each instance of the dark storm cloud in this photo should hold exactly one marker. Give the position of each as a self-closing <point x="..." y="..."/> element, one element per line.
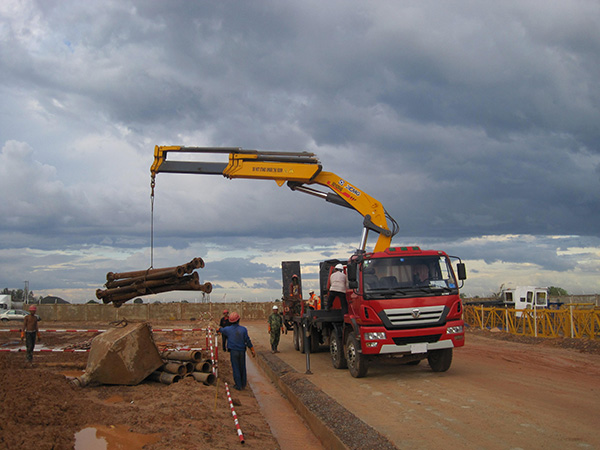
<point x="463" y="120"/>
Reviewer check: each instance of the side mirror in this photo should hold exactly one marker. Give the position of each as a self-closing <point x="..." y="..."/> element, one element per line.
<point x="462" y="271"/>
<point x="351" y="273"/>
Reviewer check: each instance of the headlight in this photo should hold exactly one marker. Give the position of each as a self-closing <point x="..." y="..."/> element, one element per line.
<point x="374" y="336"/>
<point x="454" y="330"/>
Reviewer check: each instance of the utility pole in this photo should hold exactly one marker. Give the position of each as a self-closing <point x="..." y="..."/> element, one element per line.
<point x="26" y="292"/>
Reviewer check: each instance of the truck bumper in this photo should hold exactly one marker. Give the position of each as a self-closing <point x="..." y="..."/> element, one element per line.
<point x="415" y="348"/>
<point x="413" y="341"/>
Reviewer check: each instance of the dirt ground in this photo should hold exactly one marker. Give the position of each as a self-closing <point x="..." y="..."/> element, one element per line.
<point x="41" y="409"/>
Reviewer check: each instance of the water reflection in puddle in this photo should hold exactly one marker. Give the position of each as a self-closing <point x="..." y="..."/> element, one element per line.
<point x="116" y="437"/>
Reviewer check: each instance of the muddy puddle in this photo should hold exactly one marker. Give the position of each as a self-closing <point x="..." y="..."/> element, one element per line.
<point x="114" y="437"/>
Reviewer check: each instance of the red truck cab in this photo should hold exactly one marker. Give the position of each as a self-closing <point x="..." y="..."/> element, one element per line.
<point x="404" y="302"/>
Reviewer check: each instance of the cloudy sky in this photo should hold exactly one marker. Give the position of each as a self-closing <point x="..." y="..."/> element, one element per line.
<point x="476" y="124"/>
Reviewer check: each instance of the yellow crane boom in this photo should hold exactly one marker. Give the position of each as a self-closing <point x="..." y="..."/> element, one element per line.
<point x="296" y="169"/>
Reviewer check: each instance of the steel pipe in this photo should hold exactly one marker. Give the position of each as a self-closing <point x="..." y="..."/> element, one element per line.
<point x="164" y="377"/>
<point x="174" y="367"/>
<point x="196" y="263"/>
<point x="206" y="378"/>
<point x="176" y="271"/>
<point x="192" y="355"/>
<point x="204" y="366"/>
<point x="124" y="286"/>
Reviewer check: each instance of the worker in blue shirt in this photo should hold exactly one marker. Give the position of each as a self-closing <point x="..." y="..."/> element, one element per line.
<point x="237" y="341"/>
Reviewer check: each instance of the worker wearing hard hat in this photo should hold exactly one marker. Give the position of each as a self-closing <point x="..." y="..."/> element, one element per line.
<point x="275" y="328"/>
<point x="224" y="322"/>
<point x="237" y="341"/>
<point x="314" y="301"/>
<point x="337" y="288"/>
<point x="30" y="332"/>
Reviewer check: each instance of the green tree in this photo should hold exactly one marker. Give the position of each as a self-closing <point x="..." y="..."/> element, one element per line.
<point x="556" y="291"/>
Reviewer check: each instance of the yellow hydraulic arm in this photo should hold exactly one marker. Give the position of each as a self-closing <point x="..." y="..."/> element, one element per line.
<point x="297" y="169"/>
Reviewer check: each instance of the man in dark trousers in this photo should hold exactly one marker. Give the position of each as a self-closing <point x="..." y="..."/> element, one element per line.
<point x="30" y="332"/>
<point x="237" y="341"/>
<point x="275" y="328"/>
<point x="222" y="324"/>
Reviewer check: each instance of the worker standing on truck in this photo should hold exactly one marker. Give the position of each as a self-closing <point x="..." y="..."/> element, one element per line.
<point x="295" y="295"/>
<point x="222" y="324"/>
<point x="314" y="301"/>
<point x="337" y="288"/>
<point x="275" y="328"/>
<point x="237" y="341"/>
<point x="30" y="332"/>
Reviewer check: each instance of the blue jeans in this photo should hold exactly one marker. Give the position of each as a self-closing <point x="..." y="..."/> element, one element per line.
<point x="238" y="366"/>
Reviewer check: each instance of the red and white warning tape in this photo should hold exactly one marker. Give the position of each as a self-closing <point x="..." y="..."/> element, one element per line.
<point x="46" y="350"/>
<point x="57" y="331"/>
<point x="56" y="350"/>
<point x="235" y="419"/>
<point x="165" y="330"/>
<point x="179" y="329"/>
<point x="215" y="357"/>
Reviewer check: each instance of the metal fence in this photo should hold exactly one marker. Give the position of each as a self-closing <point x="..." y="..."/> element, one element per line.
<point x="573" y="321"/>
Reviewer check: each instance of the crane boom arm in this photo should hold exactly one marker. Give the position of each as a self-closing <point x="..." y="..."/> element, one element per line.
<point x="297" y="169"/>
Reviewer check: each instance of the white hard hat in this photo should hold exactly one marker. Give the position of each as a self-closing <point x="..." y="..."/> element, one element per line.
<point x="275" y="307"/>
<point x="339" y="267"/>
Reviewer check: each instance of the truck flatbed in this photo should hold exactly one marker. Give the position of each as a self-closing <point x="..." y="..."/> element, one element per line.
<point x="321" y="315"/>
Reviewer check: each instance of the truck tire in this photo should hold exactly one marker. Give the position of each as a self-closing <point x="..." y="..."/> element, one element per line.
<point x="336" y="350"/>
<point x="295" y="337"/>
<point x="357" y="362"/>
<point x="440" y="360"/>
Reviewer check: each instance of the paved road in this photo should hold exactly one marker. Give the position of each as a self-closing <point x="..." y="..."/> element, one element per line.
<point x="496" y="395"/>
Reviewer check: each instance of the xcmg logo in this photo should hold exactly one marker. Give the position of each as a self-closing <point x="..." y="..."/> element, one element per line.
<point x="349" y="187"/>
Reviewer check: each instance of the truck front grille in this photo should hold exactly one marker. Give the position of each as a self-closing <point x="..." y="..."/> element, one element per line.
<point x="425" y="315"/>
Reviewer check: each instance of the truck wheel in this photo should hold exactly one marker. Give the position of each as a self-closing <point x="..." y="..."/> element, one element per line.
<point x="336" y="349"/>
<point x="357" y="363"/>
<point x="440" y="360"/>
<point x="295" y="337"/>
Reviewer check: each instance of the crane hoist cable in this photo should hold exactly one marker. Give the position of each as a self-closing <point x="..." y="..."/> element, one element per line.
<point x="152" y="184"/>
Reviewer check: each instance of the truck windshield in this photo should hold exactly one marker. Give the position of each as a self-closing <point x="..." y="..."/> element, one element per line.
<point x="407" y="277"/>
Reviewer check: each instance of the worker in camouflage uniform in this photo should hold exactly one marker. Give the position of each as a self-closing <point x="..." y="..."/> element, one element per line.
<point x="275" y="328"/>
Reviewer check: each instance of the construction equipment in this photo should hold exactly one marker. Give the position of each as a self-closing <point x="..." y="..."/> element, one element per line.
<point x="298" y="170"/>
<point x="121" y="287"/>
<point x="391" y="311"/>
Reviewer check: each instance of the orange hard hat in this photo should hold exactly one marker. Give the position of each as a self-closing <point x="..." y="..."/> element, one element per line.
<point x="32" y="308"/>
<point x="234" y="317"/>
<point x="225" y="311"/>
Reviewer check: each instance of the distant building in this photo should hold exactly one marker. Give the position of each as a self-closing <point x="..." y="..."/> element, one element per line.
<point x="51" y="300"/>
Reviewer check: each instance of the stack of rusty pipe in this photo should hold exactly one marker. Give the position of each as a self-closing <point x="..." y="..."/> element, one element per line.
<point x="124" y="286"/>
<point x="179" y="364"/>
